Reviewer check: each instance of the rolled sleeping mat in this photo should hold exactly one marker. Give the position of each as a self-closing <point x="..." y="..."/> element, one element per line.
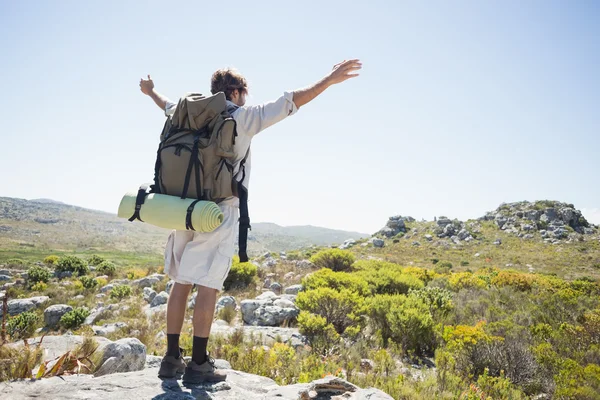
<point x="171" y="212"/>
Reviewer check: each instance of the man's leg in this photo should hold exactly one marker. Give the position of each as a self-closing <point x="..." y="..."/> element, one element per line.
<point x="204" y="311"/>
<point x="175" y="316"/>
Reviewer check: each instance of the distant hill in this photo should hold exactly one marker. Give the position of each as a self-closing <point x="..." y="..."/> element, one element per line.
<point x="52" y="225"/>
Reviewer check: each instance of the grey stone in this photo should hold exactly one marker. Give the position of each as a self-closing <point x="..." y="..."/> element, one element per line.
<point x="169" y="286"/>
<point x="304" y="264"/>
<point x="146" y="282"/>
<point x="4" y="278"/>
<point x="105" y="329"/>
<point x="225" y="301"/>
<point x="18" y="306"/>
<point x="149" y="294"/>
<point x="53" y="314"/>
<point x="294" y="289"/>
<point x="275" y="288"/>
<point x="159" y="299"/>
<point x="125" y="354"/>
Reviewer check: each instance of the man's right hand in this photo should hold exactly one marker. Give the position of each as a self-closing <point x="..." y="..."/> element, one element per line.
<point x="146" y="86"/>
<point x="343" y="71"/>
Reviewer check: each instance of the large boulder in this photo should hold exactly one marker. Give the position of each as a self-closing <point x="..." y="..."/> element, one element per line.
<point x="18" y="306"/>
<point x="53" y="314"/>
<point x="124" y="355"/>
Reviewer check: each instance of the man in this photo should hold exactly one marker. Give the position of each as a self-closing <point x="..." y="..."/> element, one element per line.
<point x="204" y="259"/>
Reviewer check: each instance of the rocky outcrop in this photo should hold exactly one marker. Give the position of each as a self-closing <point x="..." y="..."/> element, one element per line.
<point x="553" y="220"/>
<point x="394" y="226"/>
<point x="145" y="384"/>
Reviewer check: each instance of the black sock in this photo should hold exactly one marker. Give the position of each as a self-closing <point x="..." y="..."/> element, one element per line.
<point x="199" y="349"/>
<point x="173" y="345"/>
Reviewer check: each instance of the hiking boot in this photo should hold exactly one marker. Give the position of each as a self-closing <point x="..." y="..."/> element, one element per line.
<point x="171" y="367"/>
<point x="205" y="372"/>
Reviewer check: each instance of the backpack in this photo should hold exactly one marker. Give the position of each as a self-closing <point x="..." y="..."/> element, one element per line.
<point x="195" y="158"/>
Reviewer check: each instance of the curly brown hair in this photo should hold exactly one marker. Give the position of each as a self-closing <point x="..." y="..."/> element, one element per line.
<point x="227" y="80"/>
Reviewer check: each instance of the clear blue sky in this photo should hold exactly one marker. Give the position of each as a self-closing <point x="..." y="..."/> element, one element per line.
<point x="460" y="105"/>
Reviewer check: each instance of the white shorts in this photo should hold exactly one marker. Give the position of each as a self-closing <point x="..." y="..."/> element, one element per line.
<point x="203" y="258"/>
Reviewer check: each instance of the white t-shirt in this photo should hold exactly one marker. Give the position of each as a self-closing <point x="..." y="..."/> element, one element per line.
<point x="251" y="120"/>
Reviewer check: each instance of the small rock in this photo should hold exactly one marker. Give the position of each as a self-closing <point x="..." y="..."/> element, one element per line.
<point x="159" y="299"/>
<point x="169" y="286"/>
<point x="498" y="242"/>
<point x="107" y="288"/>
<point x="304" y="264"/>
<point x="378" y="242"/>
<point x="100" y="295"/>
<point x="275" y="288"/>
<point x="294" y="289"/>
<point x="149" y="294"/>
<point x="225" y="301"/>
<point x="146" y="282"/>
<point x="79" y="297"/>
<point x="105" y="329"/>
<point x="267" y="296"/>
<point x="5" y="278"/>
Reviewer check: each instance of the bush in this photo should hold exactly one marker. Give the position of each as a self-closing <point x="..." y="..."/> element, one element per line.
<point x="39" y="287"/>
<point x="136" y="273"/>
<point x="22" y="326"/>
<point x="73" y="264"/>
<point x="74" y="318"/>
<point x="320" y="334"/>
<point x="466" y="280"/>
<point x="120" y="292"/>
<point x="106" y="268"/>
<point x="390" y="281"/>
<point x="240" y="275"/>
<point x="437" y="299"/>
<point x="51" y="260"/>
<point x="404" y="319"/>
<point x="443" y="268"/>
<point x="88" y="282"/>
<point x="37" y="274"/>
<point x="336" y="280"/>
<point x="334" y="259"/>
<point x="15" y="262"/>
<point x="341" y="309"/>
<point x="227" y="314"/>
<point x="95" y="260"/>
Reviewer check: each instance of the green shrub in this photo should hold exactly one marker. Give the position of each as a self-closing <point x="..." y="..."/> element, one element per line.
<point x="73" y="264"/>
<point x="341" y="309"/>
<point x="390" y="281"/>
<point x="404" y="319"/>
<point x="22" y="326"/>
<point x="240" y="275"/>
<point x="443" y="268"/>
<point x="37" y="274"/>
<point x="437" y="299"/>
<point x="39" y="287"/>
<point x="15" y="262"/>
<point x="51" y="260"/>
<point x="95" y="260"/>
<point x="106" y="268"/>
<point x="120" y="292"/>
<point x="464" y="263"/>
<point x="320" y="334"/>
<point x="336" y="280"/>
<point x="88" y="282"/>
<point x="334" y="259"/>
<point x="74" y="318"/>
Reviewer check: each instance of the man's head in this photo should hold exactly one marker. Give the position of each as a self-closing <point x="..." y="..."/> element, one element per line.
<point x="230" y="82"/>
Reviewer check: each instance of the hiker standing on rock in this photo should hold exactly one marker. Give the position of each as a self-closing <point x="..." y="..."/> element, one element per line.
<point x="204" y="259"/>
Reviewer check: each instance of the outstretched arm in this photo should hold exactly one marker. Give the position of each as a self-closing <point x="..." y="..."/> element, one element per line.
<point x="147" y="87"/>
<point x="345" y="70"/>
